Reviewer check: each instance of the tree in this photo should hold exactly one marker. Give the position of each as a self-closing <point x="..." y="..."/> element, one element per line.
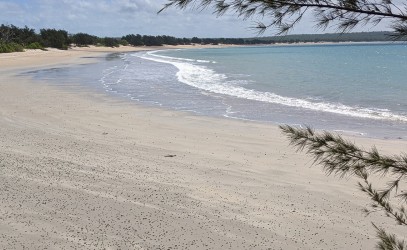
<point x="26" y="36"/>
<point x="186" y="41"/>
<point x="169" y="40"/>
<point x="55" y="38"/>
<point x="285" y="14"/>
<point x="22" y="36"/>
<point x="336" y="155"/>
<point x="196" y="40"/>
<point x="83" y="39"/>
<point x="14" y="39"/>
<point x="6" y="33"/>
<point x="135" y="40"/>
<point x="109" y="42"/>
<point x="153" y="40"/>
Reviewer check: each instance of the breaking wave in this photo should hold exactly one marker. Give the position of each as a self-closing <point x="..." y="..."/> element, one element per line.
<point x="196" y="73"/>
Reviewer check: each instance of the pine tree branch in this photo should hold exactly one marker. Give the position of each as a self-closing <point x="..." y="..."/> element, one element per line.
<point x="354" y="10"/>
<point x="380" y="201"/>
<point x="388" y="241"/>
<point x="339" y="156"/>
<point x="348" y="13"/>
<point x="342" y="157"/>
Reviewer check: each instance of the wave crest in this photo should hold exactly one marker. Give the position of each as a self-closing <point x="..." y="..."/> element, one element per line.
<point x="192" y="73"/>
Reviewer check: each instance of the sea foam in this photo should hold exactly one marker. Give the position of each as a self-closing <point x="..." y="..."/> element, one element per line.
<point x="197" y="74"/>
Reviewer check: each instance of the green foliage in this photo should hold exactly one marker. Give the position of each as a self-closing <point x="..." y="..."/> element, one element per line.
<point x="10" y="47"/>
<point x="153" y="40"/>
<point x="185" y="41"/>
<point x="109" y="42"/>
<point x="169" y="40"/>
<point x="123" y="42"/>
<point x="83" y="39"/>
<point x="27" y="38"/>
<point x="55" y="38"/>
<point x="196" y="40"/>
<point x="23" y="36"/>
<point x="341" y="157"/>
<point x="135" y="40"/>
<point x="138" y="40"/>
<point x="35" y="45"/>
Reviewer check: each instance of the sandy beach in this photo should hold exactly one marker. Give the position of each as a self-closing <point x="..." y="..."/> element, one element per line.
<point x="82" y="170"/>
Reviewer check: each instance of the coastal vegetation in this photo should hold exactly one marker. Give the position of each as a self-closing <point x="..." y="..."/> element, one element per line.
<point x="10" y="47"/>
<point x="15" y="39"/>
<point x="54" y="38"/>
<point x="337" y="155"/>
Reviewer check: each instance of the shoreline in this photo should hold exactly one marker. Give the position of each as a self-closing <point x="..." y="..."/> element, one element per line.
<point x="51" y="56"/>
<point x="332" y="126"/>
<point x="85" y="170"/>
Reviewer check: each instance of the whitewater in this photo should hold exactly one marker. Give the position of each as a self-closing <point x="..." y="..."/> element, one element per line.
<point x="351" y="88"/>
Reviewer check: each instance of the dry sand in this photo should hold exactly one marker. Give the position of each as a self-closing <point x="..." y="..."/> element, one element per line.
<point x="80" y="170"/>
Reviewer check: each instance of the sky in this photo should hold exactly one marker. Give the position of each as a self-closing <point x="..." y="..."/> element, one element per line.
<point x="116" y="18"/>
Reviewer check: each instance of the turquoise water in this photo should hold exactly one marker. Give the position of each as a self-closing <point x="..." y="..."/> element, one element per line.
<point x="353" y="88"/>
<point x="368" y="81"/>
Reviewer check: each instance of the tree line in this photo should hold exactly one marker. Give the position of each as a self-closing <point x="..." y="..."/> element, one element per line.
<point x="14" y="39"/>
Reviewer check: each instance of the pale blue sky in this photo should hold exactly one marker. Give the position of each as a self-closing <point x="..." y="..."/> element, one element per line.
<point x="121" y="17"/>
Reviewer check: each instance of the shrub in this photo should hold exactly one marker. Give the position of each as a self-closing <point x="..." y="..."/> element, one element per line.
<point x="110" y="42"/>
<point x="123" y="42"/>
<point x="10" y="47"/>
<point x="35" y="45"/>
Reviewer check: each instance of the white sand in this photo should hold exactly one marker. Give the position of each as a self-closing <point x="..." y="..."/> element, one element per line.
<point x="83" y="170"/>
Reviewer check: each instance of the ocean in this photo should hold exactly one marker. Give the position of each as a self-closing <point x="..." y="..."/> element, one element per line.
<point x="358" y="89"/>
